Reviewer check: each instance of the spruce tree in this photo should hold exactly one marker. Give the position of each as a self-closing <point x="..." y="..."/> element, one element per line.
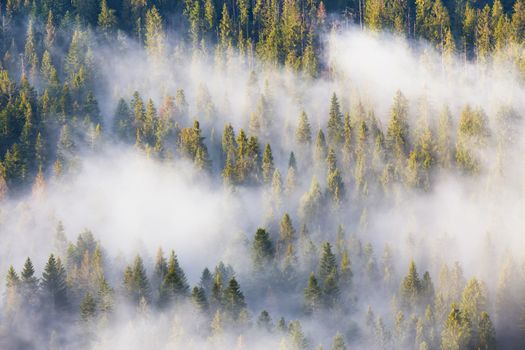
<point x="312" y="295"/>
<point x="303" y="132"/>
<point x="338" y="343"/>
<point x="487" y="333"/>
<point x="29" y="282"/>
<point x="198" y="297"/>
<point x="411" y="287"/>
<point x="264" y="321"/>
<point x="457" y="332"/>
<point x="327" y="262"/>
<point x="262" y="250"/>
<point x="234" y="299"/>
<point x="136" y="281"/>
<point x="88" y="308"/>
<point x="54" y="283"/>
<point x="267" y="164"/>
<point x="13" y="297"/>
<point x="335" y="129"/>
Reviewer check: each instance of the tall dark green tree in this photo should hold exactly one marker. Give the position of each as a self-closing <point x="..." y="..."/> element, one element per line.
<point x="54" y="284"/>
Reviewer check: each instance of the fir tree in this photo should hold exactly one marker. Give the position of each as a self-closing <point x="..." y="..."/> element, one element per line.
<point x="262" y="250"/>
<point x="198" y="297"/>
<point x="267" y="164"/>
<point x="338" y="343"/>
<point x="335" y="129"/>
<point x="303" y="132"/>
<point x="312" y="295"/>
<point x="54" y="283"/>
<point x="88" y="308"/>
<point x="234" y="299"/>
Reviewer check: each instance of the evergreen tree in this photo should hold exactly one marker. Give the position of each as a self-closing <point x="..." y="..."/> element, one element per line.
<point x="456" y="333"/>
<point x="331" y="291"/>
<point x="312" y="295"/>
<point x="107" y="21"/>
<point x="136" y="281"/>
<point x="12" y="291"/>
<point x="320" y="152"/>
<point x="327" y="262"/>
<point x="411" y="287"/>
<point x="487" y="333"/>
<point x="174" y="285"/>
<point x="335" y="129"/>
<point x="54" y="283"/>
<point x="198" y="297"/>
<point x="312" y="202"/>
<point x="267" y="164"/>
<point x="264" y="321"/>
<point x="88" y="308"/>
<point x="234" y="299"/>
<point x="262" y="250"/>
<point x="154" y="36"/>
<point x="338" y="343"/>
<point x="29" y="282"/>
<point x="303" y="132"/>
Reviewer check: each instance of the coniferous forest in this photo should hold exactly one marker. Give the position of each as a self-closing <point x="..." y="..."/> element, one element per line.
<point x="262" y="174"/>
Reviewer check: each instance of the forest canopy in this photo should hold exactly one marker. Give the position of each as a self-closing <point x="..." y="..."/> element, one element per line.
<point x="263" y="174"/>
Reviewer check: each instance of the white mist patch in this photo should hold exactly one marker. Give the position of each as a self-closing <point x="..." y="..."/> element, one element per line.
<point x="132" y="205"/>
<point x="380" y="64"/>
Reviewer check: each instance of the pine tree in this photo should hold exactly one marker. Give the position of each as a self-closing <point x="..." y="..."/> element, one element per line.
<point x="346" y="271"/>
<point x="13" y="297"/>
<point x="397" y="131"/>
<point x="262" y="250"/>
<point x="312" y="295"/>
<point x="456" y="333"/>
<point x="66" y="146"/>
<point x="225" y="29"/>
<point x="327" y="261"/>
<point x="198" y="297"/>
<point x="338" y="343"/>
<point x="473" y="301"/>
<point x="320" y="152"/>
<point x="160" y="271"/>
<point x="487" y="333"/>
<point x="107" y="21"/>
<point x="174" y="285"/>
<point x="286" y="231"/>
<point x="518" y="21"/>
<point x="335" y="129"/>
<point x="277" y="188"/>
<point x="297" y="338"/>
<point x="331" y="291"/>
<point x="105" y="298"/>
<point x="88" y="308"/>
<point x="267" y="164"/>
<point x="264" y="321"/>
<point x="234" y="299"/>
<point x="136" y="281"/>
<point x="411" y="287"/>
<point x="472" y="132"/>
<point x="154" y="35"/>
<point x="483" y="34"/>
<point x="29" y="282"/>
<point x="312" y="203"/>
<point x="50" y="31"/>
<point x="54" y="283"/>
<point x="303" y="132"/>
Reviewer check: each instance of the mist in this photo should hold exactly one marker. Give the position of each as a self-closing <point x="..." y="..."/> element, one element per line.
<point x="134" y="200"/>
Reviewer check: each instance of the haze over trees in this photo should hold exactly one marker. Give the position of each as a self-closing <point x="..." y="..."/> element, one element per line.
<point x="347" y="197"/>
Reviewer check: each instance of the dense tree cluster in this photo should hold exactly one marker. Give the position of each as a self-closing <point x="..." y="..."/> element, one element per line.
<point x="453" y="314"/>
